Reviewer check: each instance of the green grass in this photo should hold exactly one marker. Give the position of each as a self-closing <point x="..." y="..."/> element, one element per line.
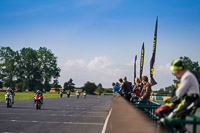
<point x="28" y="95"/>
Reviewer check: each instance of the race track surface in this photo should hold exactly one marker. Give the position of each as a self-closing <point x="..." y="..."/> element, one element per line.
<point x="58" y="115"/>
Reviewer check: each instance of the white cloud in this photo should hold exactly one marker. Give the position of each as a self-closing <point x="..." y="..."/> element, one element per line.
<point x="164" y="68"/>
<point x="100" y="69"/>
<point x="72" y="64"/>
<point x="100" y="62"/>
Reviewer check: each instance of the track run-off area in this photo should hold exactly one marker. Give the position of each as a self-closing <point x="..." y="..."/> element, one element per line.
<point x="61" y="115"/>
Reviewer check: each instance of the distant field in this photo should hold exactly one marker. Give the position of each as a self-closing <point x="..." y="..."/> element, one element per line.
<point x="28" y="95"/>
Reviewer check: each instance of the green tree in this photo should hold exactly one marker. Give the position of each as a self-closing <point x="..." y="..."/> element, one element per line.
<point x="161" y="90"/>
<point x="169" y="89"/>
<point x="69" y="85"/>
<point x="31" y="69"/>
<point x="48" y="66"/>
<point x="192" y="66"/>
<point x="109" y="90"/>
<point x="99" y="89"/>
<point x="56" y="84"/>
<point x="89" y="87"/>
<point x="7" y="66"/>
<point x="28" y="68"/>
<point x="1" y="84"/>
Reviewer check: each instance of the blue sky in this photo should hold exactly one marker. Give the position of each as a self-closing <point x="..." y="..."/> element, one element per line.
<point x="96" y="40"/>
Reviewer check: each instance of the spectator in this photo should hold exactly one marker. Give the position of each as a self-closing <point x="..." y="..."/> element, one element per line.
<point x="138" y="85"/>
<point x="127" y="88"/>
<point x="146" y="90"/>
<point x="121" y="90"/>
<point x="116" y="88"/>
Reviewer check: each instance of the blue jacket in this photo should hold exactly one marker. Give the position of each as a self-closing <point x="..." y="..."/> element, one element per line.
<point x="116" y="88"/>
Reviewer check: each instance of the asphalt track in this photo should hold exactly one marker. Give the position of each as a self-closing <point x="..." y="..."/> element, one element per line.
<point x="58" y="115"/>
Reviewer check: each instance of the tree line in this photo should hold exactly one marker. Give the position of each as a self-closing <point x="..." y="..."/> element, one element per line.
<point x="89" y="87"/>
<point x="28" y="68"/>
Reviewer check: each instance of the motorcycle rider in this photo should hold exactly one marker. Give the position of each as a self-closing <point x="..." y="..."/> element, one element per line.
<point x="61" y="93"/>
<point x="38" y="92"/>
<point x="68" y="93"/>
<point x="84" y="94"/>
<point x="9" y="90"/>
<point x="186" y="97"/>
<point x="77" y="94"/>
<point x="187" y="92"/>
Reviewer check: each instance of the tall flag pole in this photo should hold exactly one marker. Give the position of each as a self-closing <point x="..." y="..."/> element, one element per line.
<point x="142" y="61"/>
<point x="153" y="82"/>
<point x="135" y="68"/>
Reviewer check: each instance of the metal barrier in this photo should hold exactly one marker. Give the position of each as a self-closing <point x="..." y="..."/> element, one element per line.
<point x="149" y="108"/>
<point x="170" y="123"/>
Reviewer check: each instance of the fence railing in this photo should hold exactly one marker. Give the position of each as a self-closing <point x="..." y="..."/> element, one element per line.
<point x="149" y="108"/>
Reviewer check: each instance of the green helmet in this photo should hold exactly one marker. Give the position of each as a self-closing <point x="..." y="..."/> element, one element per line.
<point x="177" y="65"/>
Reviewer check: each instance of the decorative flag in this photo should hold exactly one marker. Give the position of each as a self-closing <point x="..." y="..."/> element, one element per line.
<point x="142" y="61"/>
<point x="153" y="82"/>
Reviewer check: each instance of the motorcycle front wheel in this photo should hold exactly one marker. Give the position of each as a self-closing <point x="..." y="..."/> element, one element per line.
<point x="8" y="103"/>
<point x="37" y="105"/>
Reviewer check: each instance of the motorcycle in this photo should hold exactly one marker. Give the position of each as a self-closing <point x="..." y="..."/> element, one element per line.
<point x="164" y="110"/>
<point x="77" y="96"/>
<point x="9" y="99"/>
<point x="84" y="95"/>
<point x="38" y="101"/>
<point x="61" y="95"/>
<point x="68" y="95"/>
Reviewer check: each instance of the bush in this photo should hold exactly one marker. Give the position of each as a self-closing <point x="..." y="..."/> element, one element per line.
<point x="109" y="90"/>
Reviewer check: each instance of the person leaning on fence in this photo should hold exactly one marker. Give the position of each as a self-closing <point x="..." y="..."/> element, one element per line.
<point x="127" y="88"/>
<point x="121" y="90"/>
<point x="146" y="90"/>
<point x="138" y="84"/>
<point x="187" y="93"/>
<point x="136" y="90"/>
<point x="116" y="88"/>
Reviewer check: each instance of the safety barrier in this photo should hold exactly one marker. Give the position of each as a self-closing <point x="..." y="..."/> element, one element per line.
<point x="170" y="123"/>
<point x="149" y="108"/>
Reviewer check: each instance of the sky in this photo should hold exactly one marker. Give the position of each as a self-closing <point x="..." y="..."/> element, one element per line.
<point x="96" y="40"/>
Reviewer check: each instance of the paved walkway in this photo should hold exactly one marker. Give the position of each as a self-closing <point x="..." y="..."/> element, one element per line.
<point x="126" y="119"/>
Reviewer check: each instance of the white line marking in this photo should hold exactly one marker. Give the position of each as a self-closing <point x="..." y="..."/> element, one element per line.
<point x="106" y="122"/>
<point x="52" y="122"/>
<point x="61" y="115"/>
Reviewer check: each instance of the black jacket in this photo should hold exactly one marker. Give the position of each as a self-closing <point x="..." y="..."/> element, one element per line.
<point x="127" y="87"/>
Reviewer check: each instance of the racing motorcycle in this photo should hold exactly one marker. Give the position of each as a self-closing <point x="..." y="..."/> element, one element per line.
<point x="38" y="101"/>
<point x="84" y="95"/>
<point x="77" y="96"/>
<point x="68" y="94"/>
<point x="9" y="99"/>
